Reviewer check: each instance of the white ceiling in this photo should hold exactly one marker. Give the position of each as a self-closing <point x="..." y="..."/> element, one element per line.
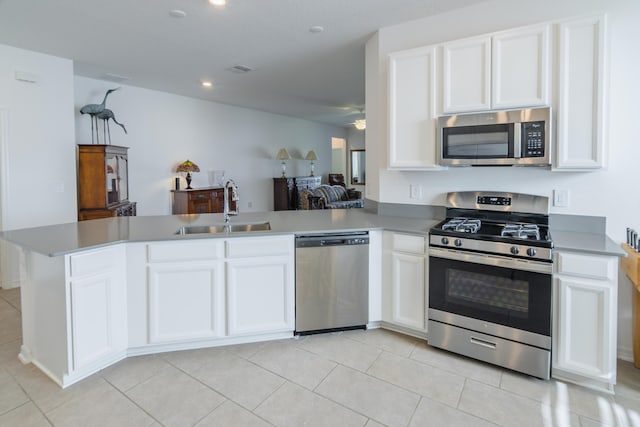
<point x="315" y="76"/>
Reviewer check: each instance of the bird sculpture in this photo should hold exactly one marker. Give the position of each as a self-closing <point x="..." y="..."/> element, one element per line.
<point x="93" y="110"/>
<point x="106" y="115"/>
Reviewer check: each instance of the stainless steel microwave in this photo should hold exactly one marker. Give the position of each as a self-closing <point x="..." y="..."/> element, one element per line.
<point x="496" y="138"/>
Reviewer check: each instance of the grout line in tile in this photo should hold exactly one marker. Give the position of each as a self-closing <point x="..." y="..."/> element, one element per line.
<point x="413" y="414"/>
<point x="124" y="394"/>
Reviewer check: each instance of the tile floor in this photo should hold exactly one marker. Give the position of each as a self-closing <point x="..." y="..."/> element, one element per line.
<point x="357" y="378"/>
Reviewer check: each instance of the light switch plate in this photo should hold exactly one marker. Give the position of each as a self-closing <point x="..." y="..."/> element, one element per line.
<point x="415" y="191"/>
<point x="561" y="198"/>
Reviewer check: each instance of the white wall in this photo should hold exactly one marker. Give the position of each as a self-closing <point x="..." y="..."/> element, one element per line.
<point x="37" y="148"/>
<point x="38" y="167"/>
<point x="165" y="129"/>
<point x="611" y="193"/>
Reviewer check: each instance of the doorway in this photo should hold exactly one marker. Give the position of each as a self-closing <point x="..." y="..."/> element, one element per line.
<point x="339" y="156"/>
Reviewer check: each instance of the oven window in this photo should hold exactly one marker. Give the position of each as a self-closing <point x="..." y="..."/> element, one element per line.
<point x="504" y="296"/>
<point x="498" y="294"/>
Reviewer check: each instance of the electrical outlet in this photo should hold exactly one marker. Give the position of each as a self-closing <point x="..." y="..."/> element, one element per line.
<point x="561" y="198"/>
<point x="415" y="191"/>
<point x="250" y="205"/>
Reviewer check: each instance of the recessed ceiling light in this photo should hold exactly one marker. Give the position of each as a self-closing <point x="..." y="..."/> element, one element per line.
<point x="218" y="2"/>
<point x="177" y="13"/>
<point x="207" y="84"/>
<point x="316" y="29"/>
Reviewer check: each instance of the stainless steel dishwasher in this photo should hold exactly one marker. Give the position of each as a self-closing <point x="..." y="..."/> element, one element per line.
<point x="332" y="282"/>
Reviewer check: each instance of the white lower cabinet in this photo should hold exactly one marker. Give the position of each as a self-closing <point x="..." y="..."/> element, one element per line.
<point x="404" y="292"/>
<point x="97" y="313"/>
<point x="260" y="285"/>
<point x="219" y="288"/>
<point x="585" y="319"/>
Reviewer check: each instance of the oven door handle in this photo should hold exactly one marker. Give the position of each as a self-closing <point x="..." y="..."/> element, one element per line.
<point x="498" y="261"/>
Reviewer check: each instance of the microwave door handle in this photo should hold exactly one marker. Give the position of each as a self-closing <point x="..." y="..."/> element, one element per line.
<point x="517" y="140"/>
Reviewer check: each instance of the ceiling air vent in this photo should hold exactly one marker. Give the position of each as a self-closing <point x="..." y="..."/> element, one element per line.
<point x="241" y="69"/>
<point x="114" y="77"/>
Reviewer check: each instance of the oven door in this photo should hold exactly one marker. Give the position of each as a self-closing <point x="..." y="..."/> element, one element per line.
<point x="501" y="291"/>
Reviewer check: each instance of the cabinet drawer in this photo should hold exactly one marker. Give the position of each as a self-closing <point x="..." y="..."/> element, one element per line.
<point x="259" y="247"/>
<point x="94" y="262"/>
<point x="187" y="251"/>
<point x="583" y="265"/>
<point x="200" y="196"/>
<point x="408" y="243"/>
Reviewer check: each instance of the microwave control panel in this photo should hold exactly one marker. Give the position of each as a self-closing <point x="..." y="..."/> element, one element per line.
<point x="533" y="137"/>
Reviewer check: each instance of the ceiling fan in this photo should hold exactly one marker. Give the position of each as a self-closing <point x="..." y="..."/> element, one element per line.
<point x="359" y="121"/>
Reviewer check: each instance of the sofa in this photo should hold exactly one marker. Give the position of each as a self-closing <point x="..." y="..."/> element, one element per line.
<point x="327" y="196"/>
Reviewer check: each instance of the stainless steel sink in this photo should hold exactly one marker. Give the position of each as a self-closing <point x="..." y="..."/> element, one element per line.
<point x="224" y="228"/>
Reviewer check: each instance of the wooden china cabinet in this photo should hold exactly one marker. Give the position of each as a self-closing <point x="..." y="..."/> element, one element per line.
<point x="103" y="182"/>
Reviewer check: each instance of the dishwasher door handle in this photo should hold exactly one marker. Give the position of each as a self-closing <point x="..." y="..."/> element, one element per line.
<point x="335" y="242"/>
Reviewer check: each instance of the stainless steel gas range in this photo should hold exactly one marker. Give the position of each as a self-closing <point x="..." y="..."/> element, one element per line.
<point x="490" y="265"/>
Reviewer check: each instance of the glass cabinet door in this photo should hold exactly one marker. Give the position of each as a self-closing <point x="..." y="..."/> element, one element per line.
<point x="117" y="178"/>
<point x="112" y="179"/>
<point x="123" y="177"/>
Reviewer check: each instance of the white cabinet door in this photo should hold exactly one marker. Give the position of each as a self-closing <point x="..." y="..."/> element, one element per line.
<point x="404" y="283"/>
<point x="521" y="68"/>
<point x="581" y="99"/>
<point x="585" y="333"/>
<point x="186" y="301"/>
<point x="585" y="319"/>
<point x="412" y="109"/>
<point x="98" y="306"/>
<point x="466" y="76"/>
<point x="92" y="315"/>
<point x="408" y="290"/>
<point x="260" y="295"/>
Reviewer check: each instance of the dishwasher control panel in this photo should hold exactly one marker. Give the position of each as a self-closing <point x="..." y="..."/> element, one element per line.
<point x="332" y="239"/>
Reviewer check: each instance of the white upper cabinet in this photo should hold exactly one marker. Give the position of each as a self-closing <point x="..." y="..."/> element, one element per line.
<point x="412" y="109"/>
<point x="466" y="75"/>
<point x="505" y="70"/>
<point x="520" y="68"/>
<point x="581" y="119"/>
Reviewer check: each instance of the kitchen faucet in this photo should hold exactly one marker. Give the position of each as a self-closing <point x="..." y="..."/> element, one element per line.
<point x="234" y="197"/>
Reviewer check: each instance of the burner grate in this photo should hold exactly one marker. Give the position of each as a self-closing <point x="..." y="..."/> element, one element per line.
<point x="464" y="225"/>
<point x="521" y="231"/>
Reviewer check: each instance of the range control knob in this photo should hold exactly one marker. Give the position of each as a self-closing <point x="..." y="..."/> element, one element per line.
<point x="444" y="241"/>
<point x="458" y="242"/>
<point x="515" y="250"/>
<point x="531" y="252"/>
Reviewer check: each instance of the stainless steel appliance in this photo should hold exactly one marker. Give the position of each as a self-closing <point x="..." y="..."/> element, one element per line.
<point x="490" y="265"/>
<point x="332" y="282"/>
<point x="496" y="138"/>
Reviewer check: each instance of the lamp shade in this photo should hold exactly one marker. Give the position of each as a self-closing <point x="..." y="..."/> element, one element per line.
<point x="311" y="155"/>
<point x="187" y="166"/>
<point x="283" y="154"/>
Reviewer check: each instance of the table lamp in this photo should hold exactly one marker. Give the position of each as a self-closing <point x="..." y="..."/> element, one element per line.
<point x="188" y="166"/>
